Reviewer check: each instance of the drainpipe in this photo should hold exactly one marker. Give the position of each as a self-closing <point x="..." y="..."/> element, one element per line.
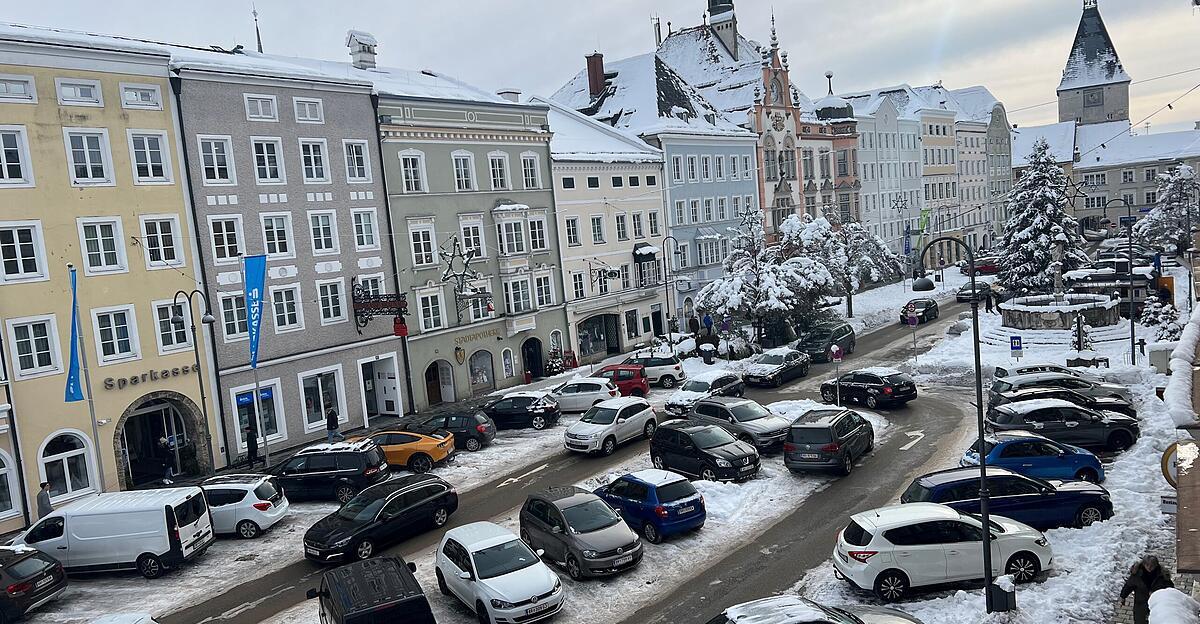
<point x="16" y="439"/>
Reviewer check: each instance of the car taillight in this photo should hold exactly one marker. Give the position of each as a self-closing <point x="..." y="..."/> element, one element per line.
<point x="676" y="367"/>
<point x="19" y="589"/>
<point x="612" y="393"/>
<point x="788" y="447"/>
<point x="263" y="506"/>
<point x="371" y="470"/>
<point x="832" y="447"/>
<point x="481" y="428"/>
<point x="660" y="511"/>
<point x="862" y="555"/>
<point x="176" y="533"/>
<point x="887" y="389"/>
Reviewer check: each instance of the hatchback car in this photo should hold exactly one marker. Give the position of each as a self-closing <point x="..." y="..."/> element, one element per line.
<point x="662" y="368"/>
<point x="522" y="409"/>
<point x="609" y="423"/>
<point x="656" y="503"/>
<point x="1036" y="502"/>
<point x="719" y="382"/>
<point x="631" y="379"/>
<point x="244" y="504"/>
<point x="1033" y="455"/>
<point x="892" y="550"/>
<point x="793" y="609"/>
<point x="471" y="431"/>
<point x="746" y="419"/>
<point x="776" y="367"/>
<point x="987" y="265"/>
<point x="380" y="515"/>
<point x="337" y="471"/>
<point x="702" y="451"/>
<point x="581" y="393"/>
<point x="873" y="387"/>
<point x="1102" y="404"/>
<point x="827" y="439"/>
<point x="1058" y="380"/>
<point x="31" y="578"/>
<point x="978" y="293"/>
<point x="417" y="452"/>
<point x="1067" y="423"/>
<point x="924" y="309"/>
<point x="818" y="343"/>
<point x="495" y="575"/>
<point x="1012" y="370"/>
<point x="579" y="531"/>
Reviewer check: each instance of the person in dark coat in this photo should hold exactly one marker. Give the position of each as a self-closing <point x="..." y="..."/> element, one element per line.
<point x="332" y="425"/>
<point x="1145" y="578"/>
<point x="988" y="296"/>
<point x="251" y="445"/>
<point x="44" y="507"/>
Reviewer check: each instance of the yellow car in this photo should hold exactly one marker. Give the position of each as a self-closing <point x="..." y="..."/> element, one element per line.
<point x="416" y="452"/>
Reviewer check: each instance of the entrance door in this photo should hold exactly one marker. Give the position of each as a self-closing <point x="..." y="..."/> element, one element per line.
<point x="446" y="377"/>
<point x="370" y="398"/>
<point x="433" y="384"/>
<point x="531" y="355"/>
<point x="155" y="443"/>
<point x="381" y="394"/>
<point x="657" y="325"/>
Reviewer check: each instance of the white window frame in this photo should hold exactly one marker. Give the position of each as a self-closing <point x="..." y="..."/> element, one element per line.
<point x="287" y="232"/>
<point x="274" y="117"/>
<point x="424" y="178"/>
<point x="681" y="256"/>
<point x="155" y="104"/>
<point x="225" y="335"/>
<point x="176" y="240"/>
<point x="578" y="286"/>
<point x="537" y="170"/>
<point x="339" y="381"/>
<point x="592" y="220"/>
<point x="677" y="171"/>
<point x="545" y="235"/>
<point x="56" y="361"/>
<point x="39" y="242"/>
<point x="217" y="138"/>
<point x="122" y="265"/>
<point x="366" y="152"/>
<point x="8" y="476"/>
<point x="503" y="157"/>
<point x="29" y="82"/>
<point x="374" y="276"/>
<point x="98" y="102"/>
<point x="638" y="223"/>
<point x="441" y="306"/>
<point x="473" y="181"/>
<point x="477" y="224"/>
<point x="333" y="232"/>
<point x="478" y="307"/>
<point x="652" y="224"/>
<point x="509" y="295"/>
<point x="719" y="167"/>
<point x="327" y="178"/>
<point x="693" y="168"/>
<point x="567" y="227"/>
<point x="170" y="305"/>
<point x="423" y="227"/>
<point x="89" y="458"/>
<point x="135" y="345"/>
<point x="26" y="180"/>
<point x="375" y="246"/>
<point x="238" y="230"/>
<point x="277" y="406"/>
<point x="109" y="178"/>
<point x="319" y="119"/>
<point x="168" y="176"/>
<point x="537" y="292"/>
<point x="621" y="225"/>
<point x="343" y="301"/>
<point x="520" y="239"/>
<point x="296" y="288"/>
<point x="706" y="170"/>
<point x="278" y="142"/>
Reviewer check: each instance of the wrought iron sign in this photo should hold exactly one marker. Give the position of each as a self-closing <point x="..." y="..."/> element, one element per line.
<point x="369" y="305"/>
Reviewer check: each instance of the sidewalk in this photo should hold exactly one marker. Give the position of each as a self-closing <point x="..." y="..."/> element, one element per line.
<point x="1186" y="583"/>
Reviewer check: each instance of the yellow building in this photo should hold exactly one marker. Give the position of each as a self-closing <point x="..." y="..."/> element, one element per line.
<point x="91" y="175"/>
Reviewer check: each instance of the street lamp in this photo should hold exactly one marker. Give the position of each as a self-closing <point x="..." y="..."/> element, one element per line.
<point x="1129" y="242"/>
<point x="667" y="287"/>
<point x="177" y="321"/>
<point x="925" y="284"/>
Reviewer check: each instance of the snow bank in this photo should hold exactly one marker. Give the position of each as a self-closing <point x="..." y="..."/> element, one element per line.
<point x="1178" y="394"/>
<point x="1171" y="606"/>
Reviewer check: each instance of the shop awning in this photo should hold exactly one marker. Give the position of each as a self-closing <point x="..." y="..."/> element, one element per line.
<point x="707" y="233"/>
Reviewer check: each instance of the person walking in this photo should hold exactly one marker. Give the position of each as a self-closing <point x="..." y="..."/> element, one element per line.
<point x="987" y="299"/>
<point x="251" y="445"/>
<point x="1145" y="578"/>
<point x="43" y="501"/>
<point x="331" y="424"/>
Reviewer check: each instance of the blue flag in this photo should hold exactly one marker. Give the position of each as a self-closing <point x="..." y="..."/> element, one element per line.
<point x="74" y="391"/>
<point x="254" y="269"/>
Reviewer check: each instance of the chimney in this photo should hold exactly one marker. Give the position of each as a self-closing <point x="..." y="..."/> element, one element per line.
<point x="1198" y="125"/>
<point x="595" y="71"/>
<point x="510" y="94"/>
<point x="658" y="30"/>
<point x="362" y="48"/>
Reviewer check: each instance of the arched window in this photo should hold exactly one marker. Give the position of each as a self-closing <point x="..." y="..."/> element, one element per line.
<point x="556" y="341"/>
<point x="507" y="358"/>
<point x="770" y="162"/>
<point x="8" y="504"/>
<point x="66" y="465"/>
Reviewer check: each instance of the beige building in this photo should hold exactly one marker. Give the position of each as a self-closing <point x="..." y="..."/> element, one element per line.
<point x="939" y="158"/>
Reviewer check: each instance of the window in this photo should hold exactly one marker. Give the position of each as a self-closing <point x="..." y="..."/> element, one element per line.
<point x="598" y="230"/>
<point x="1150" y="174"/>
<point x="309" y="110"/>
<point x="635" y="181"/>
<point x="277" y="235"/>
<point x="746" y="169"/>
<point x="145" y="96"/>
<point x="464" y="171"/>
<point x="79" y="92"/>
<point x="159" y="241"/>
<point x="719" y="168"/>
<point x="22" y="256"/>
<point x="511" y="237"/>
<point x="618" y="181"/>
<point x="226" y="232"/>
<point x="708" y="252"/>
<point x="431" y="311"/>
<point x="506" y="357"/>
<point x="692" y="169"/>
<point x="247" y="409"/>
<point x="88" y="156"/>
<point x="288" y="314"/>
<point x="412" y="171"/>
<point x="1095" y="179"/>
<point x="116" y="334"/>
<point x="312" y="158"/>
<point x="593" y="182"/>
<point x="517" y="297"/>
<point x="17" y="89"/>
<point x="537" y="235"/>
<point x="681" y="256"/>
<point x="577" y="285"/>
<point x="638" y="226"/>
<point x="268" y="160"/>
<point x="422" y="244"/>
<point x="625" y="276"/>
<point x="1151" y="198"/>
<point x="261" y="108"/>
<point x="530" y="171"/>
<point x="694" y="212"/>
<point x="151" y="158"/>
<point x="323" y="228"/>
<point x="733" y="167"/>
<point x="680" y="216"/>
<point x="622" y="228"/>
<point x="365" y="237"/>
<point x="498" y="165"/>
<point x="102" y="244"/>
<point x="652" y="219"/>
<point x="706" y="168"/>
<point x="1127" y="176"/>
<point x="358" y="164"/>
<point x="1094" y="201"/>
<point x="568" y="182"/>
<point x="677" y="168"/>
<point x="708" y="210"/>
<point x="329" y="295"/>
<point x="66" y="465"/>
<point x="35" y="345"/>
<point x="479" y="306"/>
<point x="322" y="392"/>
<point x="545" y="291"/>
<point x="233" y="316"/>
<point x="14" y="156"/>
<point x="371" y="284"/>
<point x="171" y="337"/>
<point x="216" y="159"/>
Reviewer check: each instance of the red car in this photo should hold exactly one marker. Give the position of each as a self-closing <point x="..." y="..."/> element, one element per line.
<point x="986" y="265"/>
<point x="630" y="378"/>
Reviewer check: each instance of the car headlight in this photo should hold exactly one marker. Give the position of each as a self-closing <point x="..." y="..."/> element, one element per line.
<point x="723" y="463"/>
<point x="1105" y="497"/>
<point x="342" y="543"/>
<point x="589" y="554"/>
<point x="1041" y="541"/>
<point x="557" y="586"/>
<point x="502" y="604"/>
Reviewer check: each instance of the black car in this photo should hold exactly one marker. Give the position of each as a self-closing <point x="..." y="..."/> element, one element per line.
<point x="870" y="386"/>
<point x="1066" y="422"/>
<point x="924" y="309"/>
<point x="380" y="515"/>
<point x="818" y="343"/>
<point x="32" y="577"/>
<point x="704" y="451"/>
<point x="777" y="366"/>
<point x="394" y="596"/>
<point x="1101" y="404"/>
<point x="979" y="293"/>
<point x="471" y="431"/>
<point x="827" y="439"/>
<point x="522" y="409"/>
<point x="337" y="471"/>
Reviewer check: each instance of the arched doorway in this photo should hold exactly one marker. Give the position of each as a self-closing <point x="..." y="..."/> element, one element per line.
<point x="532" y="356"/>
<point x="439" y="383"/>
<point x="483" y="374"/>
<point x="599" y="337"/>
<point x="689" y="308"/>
<point x="161" y="431"/>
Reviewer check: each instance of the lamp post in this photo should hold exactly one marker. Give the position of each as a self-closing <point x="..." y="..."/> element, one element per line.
<point x="1129" y="259"/>
<point x="207" y="319"/>
<point x="925" y="284"/>
<point x="667" y="287"/>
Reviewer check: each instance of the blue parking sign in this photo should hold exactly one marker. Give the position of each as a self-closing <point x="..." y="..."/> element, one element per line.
<point x="1014" y="345"/>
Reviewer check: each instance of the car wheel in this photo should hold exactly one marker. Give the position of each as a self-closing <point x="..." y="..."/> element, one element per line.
<point x="741" y="392"/>
<point x="439" y="517"/>
<point x="1119" y="441"/>
<point x="473" y="444"/>
<point x="648" y="430"/>
<point x="708" y="474"/>
<point x="853" y="344"/>
<point x="364" y="549"/>
<point x="891" y="586"/>
<point x="481" y="614"/>
<point x="1087" y="474"/>
<point x="441" y="580"/>
<point x="651" y="534"/>
<point x="538" y="422"/>
<point x="871" y="443"/>
<point x="1023" y="567"/>
<point x="150" y="566"/>
<point x="804" y="371"/>
<point x="420" y="463"/>
<point x="608" y="446"/>
<point x="828" y="395"/>
<point x="573" y="569"/>
<point x="343" y="493"/>
<point x="872" y="402"/>
<point x="247" y="529"/>
<point x="667" y="381"/>
<point x="847" y="465"/>
<point x="637" y="392"/>
<point x="1088" y="516"/>
<point x="657" y="460"/>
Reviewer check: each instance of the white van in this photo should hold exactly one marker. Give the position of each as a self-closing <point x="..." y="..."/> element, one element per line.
<point x="147" y="530"/>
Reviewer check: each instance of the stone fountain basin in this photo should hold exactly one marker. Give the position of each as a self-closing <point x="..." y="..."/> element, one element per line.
<point x="1059" y="311"/>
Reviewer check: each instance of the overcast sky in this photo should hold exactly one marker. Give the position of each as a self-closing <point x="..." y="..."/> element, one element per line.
<point x="1016" y="48"/>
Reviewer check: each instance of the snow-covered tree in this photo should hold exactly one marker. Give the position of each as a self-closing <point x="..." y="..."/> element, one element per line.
<point x="1165" y="226"/>
<point x="1038" y="222"/>
<point x="1083" y="343"/>
<point x="1162" y="316"/>
<point x="851" y="254"/>
<point x="871" y="260"/>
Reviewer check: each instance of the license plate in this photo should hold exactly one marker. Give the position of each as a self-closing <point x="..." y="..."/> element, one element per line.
<point x="688" y="509"/>
<point x="312" y="551"/>
<point x="747" y="468"/>
<point x="545" y="606"/>
<point x="44" y="582"/>
<point x="623" y="560"/>
<point x="810" y="456"/>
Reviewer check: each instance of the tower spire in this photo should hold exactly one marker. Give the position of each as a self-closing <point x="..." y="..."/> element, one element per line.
<point x="257" y="33"/>
<point x="774" y="38"/>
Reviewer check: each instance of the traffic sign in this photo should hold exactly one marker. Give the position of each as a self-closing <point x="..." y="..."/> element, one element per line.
<point x="836" y="352"/>
<point x="912" y="319"/>
<point x="1014" y="345"/>
<point x="907" y="244"/>
<point x="1127" y="221"/>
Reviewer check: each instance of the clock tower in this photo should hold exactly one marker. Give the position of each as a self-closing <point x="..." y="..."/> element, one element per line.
<point x="1094" y="86"/>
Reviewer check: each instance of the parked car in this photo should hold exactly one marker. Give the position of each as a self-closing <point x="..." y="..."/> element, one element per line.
<point x="1012" y="370"/>
<point x="150" y="531"/>
<point x="338" y="471"/>
<point x="415" y="451"/>
<point x="703" y="451"/>
<point x="1103" y="404"/>
<point x="471" y="431"/>
<point x="244" y="504"/>
<point x="609" y="423"/>
<point x="581" y="393"/>
<point x="777" y="366"/>
<point x="1033" y="455"/>
<point x="793" y="609"/>
<point x="827" y="439"/>
<point x="966" y="293"/>
<point x="892" y="550"/>
<point x="987" y="265"/>
<point x="380" y="515"/>
<point x="1058" y="380"/>
<point x="818" y="343"/>
<point x="716" y="382"/>
<point x="31" y="579"/>
<point x="924" y="309"/>
<point x="746" y="419"/>
<point x="495" y="575"/>
<point x="662" y="368"/>
<point x="631" y="379"/>
<point x="580" y="532"/>
<point x="395" y="594"/>
<point x="873" y="387"/>
<point x="1067" y="423"/>
<point x="1039" y="503"/>
<point x="656" y="503"/>
<point x="522" y="409"/>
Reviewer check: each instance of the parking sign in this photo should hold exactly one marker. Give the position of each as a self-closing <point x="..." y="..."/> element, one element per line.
<point x="836" y="352"/>
<point x="1015" y="346"/>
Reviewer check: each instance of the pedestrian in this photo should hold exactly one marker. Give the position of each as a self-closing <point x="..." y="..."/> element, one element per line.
<point x="1145" y="578"/>
<point x="43" y="501"/>
<point x="164" y="445"/>
<point x="331" y="424"/>
<point x="251" y="445"/>
<point x="987" y="299"/>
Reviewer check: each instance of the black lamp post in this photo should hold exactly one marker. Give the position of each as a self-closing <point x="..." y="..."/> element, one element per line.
<point x="207" y="319"/>
<point x="667" y="287"/>
<point x="1129" y="252"/>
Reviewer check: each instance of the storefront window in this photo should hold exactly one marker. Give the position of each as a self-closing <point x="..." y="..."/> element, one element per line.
<point x="65" y="462"/>
<point x="482" y="375"/>
<point x="320" y="396"/>
<point x="246" y="411"/>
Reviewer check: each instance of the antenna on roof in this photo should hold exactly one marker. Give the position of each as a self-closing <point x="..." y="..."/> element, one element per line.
<point x="657" y="23"/>
<point x="257" y="34"/>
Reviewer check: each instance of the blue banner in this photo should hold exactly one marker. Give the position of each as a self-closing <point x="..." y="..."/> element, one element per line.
<point x="74" y="392"/>
<point x="254" y="270"/>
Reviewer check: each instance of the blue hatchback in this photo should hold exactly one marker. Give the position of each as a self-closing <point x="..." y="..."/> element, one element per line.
<point x="655" y="503"/>
<point x="1035" y="456"/>
<point x="1040" y="504"/>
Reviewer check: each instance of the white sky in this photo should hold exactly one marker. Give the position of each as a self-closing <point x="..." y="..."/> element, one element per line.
<point x="1016" y="48"/>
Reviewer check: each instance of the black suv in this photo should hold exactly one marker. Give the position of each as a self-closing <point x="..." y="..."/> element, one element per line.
<point x="1102" y="404"/>
<point x="522" y="409"/>
<point x="965" y="293"/>
<point x="924" y="309"/>
<point x="776" y="366"/>
<point x="702" y="451"/>
<point x="1068" y="423"/>
<point x="870" y="386"/>
<point x="32" y="577"/>
<point x="337" y="471"/>
<point x="827" y="439"/>
<point x="379" y="515"/>
<point x="394" y="596"/>
<point x="818" y="343"/>
<point x="471" y="431"/>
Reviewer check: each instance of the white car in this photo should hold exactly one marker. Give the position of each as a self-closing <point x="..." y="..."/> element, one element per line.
<point x="581" y="393"/>
<point x="495" y="574"/>
<point x="715" y="382"/>
<point x="244" y="504"/>
<point x="893" y="549"/>
<point x="1044" y="367"/>
<point x="662" y="367"/>
<point x="610" y="423"/>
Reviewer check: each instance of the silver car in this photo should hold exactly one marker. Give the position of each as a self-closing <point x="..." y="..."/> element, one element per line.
<point x="745" y="419"/>
<point x="580" y="532"/>
<point x="1065" y="381"/>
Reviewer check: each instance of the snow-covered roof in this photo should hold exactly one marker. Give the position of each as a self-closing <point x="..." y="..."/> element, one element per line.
<point x="646" y="250"/>
<point x="1059" y="136"/>
<point x="510" y="207"/>
<point x="59" y="36"/>
<point x="969" y="104"/>
<point x="580" y="138"/>
<point x="1109" y="144"/>
<point x="907" y="101"/>
<point x="1093" y="59"/>
<point x="360" y="36"/>
<point x="657" y="477"/>
<point x="788" y="608"/>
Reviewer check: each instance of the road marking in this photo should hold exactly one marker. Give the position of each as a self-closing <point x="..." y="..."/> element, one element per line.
<point x="513" y="480"/>
<point x="916" y="436"/>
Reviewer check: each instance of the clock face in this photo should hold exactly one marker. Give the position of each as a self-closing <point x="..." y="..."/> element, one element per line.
<point x="777" y="122"/>
<point x="776" y="92"/>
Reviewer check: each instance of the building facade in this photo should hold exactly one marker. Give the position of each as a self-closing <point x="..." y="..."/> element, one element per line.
<point x="889" y="157"/>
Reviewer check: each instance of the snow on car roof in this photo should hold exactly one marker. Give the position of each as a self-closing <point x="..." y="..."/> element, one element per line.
<point x="907" y="513"/>
<point x="533" y="394"/>
<point x="479" y="535"/>
<point x="620" y="402"/>
<point x="348" y="445"/>
<point x="778" y="351"/>
<point x="600" y="380"/>
<point x="656" y="477"/>
<point x="1024" y="407"/>
<point x="711" y="375"/>
<point x="776" y="610"/>
<point x="882" y="371"/>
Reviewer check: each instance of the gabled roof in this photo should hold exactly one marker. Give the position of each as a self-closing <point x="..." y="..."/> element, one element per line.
<point x="970" y="104"/>
<point x="907" y="101"/>
<point x="580" y="138"/>
<point x="1059" y="136"/>
<point x="1093" y="59"/>
<point x="1110" y="144"/>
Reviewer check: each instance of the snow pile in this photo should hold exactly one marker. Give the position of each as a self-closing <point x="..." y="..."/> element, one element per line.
<point x="1178" y="395"/>
<point x="1171" y="606"/>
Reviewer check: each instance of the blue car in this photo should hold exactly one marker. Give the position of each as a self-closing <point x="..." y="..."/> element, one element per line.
<point x="655" y="503"/>
<point x="1040" y="504"/>
<point x="1035" y="456"/>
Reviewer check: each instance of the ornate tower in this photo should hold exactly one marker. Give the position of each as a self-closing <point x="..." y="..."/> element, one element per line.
<point x="1094" y="87"/>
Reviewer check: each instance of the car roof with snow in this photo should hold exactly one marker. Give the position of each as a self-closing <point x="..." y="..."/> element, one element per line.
<point x="532" y="394"/>
<point x="711" y="375"/>
<point x="780" y="351"/>
<point x="818" y="417"/>
<point x="348" y="446"/>
<point x="479" y="535"/>
<point x="656" y="477"/>
<point x="1028" y="378"/>
<point x="903" y="515"/>
<point x="882" y="371"/>
<point x="619" y="402"/>
<point x="564" y="496"/>
<point x="1024" y="407"/>
<point x="786" y="609"/>
<point x="596" y="380"/>
<point x="234" y="479"/>
<point x="954" y="475"/>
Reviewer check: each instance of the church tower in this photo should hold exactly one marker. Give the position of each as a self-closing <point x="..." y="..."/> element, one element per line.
<point x="723" y="22"/>
<point x="1094" y="87"/>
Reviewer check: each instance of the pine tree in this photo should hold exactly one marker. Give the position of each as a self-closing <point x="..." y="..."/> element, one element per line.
<point x="1037" y="204"/>
<point x="1152" y="312"/>
<point x="871" y="260"/>
<point x="1163" y="317"/>
<point x="1164" y="227"/>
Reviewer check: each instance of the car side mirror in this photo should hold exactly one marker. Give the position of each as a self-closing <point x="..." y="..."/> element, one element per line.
<point x="312" y="593"/>
<point x="621" y="420"/>
<point x="557" y="530"/>
<point x="540" y="552"/>
<point x="466" y="576"/>
<point x="412" y="567"/>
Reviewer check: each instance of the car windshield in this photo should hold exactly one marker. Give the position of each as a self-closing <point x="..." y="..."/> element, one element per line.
<point x="746" y="412"/>
<point x="774" y="359"/>
<point x="711" y="437"/>
<point x="819" y="335"/>
<point x="696" y="385"/>
<point x="590" y="516"/>
<point x="600" y="416"/>
<point x="678" y="490"/>
<point x="916" y="493"/>
<point x="988" y="445"/>
<point x="503" y="559"/>
<point x="995" y="527"/>
<point x="1001" y="386"/>
<point x="898" y="379"/>
<point x="361" y="508"/>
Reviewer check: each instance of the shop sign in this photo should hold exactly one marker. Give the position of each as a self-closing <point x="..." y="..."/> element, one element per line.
<point x="151" y="376"/>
